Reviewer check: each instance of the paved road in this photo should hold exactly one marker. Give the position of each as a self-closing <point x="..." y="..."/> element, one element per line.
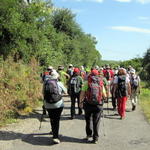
<point x="133" y="133"/>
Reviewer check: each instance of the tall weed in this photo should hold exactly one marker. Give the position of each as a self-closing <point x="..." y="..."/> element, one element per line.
<point x="20" y="88"/>
<point x="145" y="102"/>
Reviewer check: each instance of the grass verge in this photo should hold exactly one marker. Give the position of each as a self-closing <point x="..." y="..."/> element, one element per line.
<point x="145" y="101"/>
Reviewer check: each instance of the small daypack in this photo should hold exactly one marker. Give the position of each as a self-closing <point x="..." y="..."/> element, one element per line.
<point x="75" y="85"/>
<point x="94" y="93"/>
<point x="51" y="91"/>
<point x="122" y="87"/>
<point x="70" y="72"/>
<point x="107" y="75"/>
<point x="134" y="82"/>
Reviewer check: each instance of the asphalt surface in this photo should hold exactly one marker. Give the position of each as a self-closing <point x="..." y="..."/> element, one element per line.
<point x="132" y="133"/>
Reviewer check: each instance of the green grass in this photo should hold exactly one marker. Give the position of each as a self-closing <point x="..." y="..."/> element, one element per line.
<point x="145" y="101"/>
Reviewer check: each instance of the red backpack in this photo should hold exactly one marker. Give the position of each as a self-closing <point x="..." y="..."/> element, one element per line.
<point x="94" y="93"/>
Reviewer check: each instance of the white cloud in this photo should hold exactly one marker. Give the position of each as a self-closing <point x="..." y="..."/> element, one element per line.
<point x="123" y="0"/>
<point x="143" y="18"/>
<point x="98" y="1"/>
<point x="131" y="29"/>
<point x="143" y="1"/>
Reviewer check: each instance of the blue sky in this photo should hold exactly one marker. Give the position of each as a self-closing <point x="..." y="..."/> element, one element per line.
<point x="121" y="27"/>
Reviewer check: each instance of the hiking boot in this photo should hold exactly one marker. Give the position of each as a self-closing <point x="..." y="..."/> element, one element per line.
<point x="133" y="107"/>
<point x="56" y="141"/>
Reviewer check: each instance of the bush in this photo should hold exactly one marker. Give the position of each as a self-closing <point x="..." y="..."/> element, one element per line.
<point x="20" y="87"/>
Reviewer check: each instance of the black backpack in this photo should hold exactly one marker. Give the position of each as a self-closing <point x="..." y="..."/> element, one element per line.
<point x="107" y="75"/>
<point x="75" y="84"/>
<point x="122" y="87"/>
<point x="51" y="91"/>
<point x="134" y="83"/>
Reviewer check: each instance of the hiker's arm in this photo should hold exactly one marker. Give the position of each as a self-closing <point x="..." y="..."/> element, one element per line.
<point x="139" y="86"/>
<point x="129" y="89"/>
<point x="64" y="90"/>
<point x="104" y="94"/>
<point x="81" y="99"/>
<point x="67" y="75"/>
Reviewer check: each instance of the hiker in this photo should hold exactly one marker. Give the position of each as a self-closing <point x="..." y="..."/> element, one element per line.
<point x="75" y="86"/>
<point x="82" y="72"/>
<point x="105" y="82"/>
<point x="63" y="76"/>
<point x="91" y="101"/>
<point x="108" y="74"/>
<point x="53" y="102"/>
<point x="114" y="95"/>
<point x="46" y="75"/>
<point x="70" y="70"/>
<point x="122" y="85"/>
<point x="135" y="88"/>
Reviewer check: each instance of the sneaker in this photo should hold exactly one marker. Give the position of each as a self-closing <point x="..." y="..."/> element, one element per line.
<point x="88" y="138"/>
<point x="56" y="141"/>
<point x="95" y="141"/>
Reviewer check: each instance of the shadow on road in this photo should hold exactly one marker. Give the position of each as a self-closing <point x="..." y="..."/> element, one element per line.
<point x="43" y="139"/>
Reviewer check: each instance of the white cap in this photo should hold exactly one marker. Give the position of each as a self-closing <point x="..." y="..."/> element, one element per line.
<point x="54" y="74"/>
<point x="49" y="67"/>
<point x="132" y="71"/>
<point x="70" y="65"/>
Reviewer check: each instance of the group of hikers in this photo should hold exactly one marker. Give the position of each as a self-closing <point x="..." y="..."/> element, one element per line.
<point x="91" y="88"/>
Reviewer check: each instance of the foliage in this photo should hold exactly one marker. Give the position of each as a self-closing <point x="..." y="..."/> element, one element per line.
<point x="146" y="65"/>
<point x="136" y="63"/>
<point x="51" y="35"/>
<point x="20" y="87"/>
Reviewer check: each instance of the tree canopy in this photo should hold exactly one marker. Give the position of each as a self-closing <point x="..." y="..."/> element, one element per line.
<point x="49" y="34"/>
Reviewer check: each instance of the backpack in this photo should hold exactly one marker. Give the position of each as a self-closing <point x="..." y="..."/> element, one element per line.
<point x="70" y="72"/>
<point x="134" y="83"/>
<point x="94" y="93"/>
<point x="75" y="84"/>
<point x="51" y="91"/>
<point x="107" y="75"/>
<point x="122" y="87"/>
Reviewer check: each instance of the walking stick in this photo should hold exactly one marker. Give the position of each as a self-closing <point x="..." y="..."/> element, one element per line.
<point x="42" y="116"/>
<point x="103" y="120"/>
<point x="108" y="105"/>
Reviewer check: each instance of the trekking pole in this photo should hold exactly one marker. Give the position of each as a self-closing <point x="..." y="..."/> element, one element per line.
<point x="108" y="105"/>
<point x="103" y="121"/>
<point x="41" y="119"/>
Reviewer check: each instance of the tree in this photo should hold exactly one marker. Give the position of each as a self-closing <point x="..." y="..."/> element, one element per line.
<point x="146" y="64"/>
